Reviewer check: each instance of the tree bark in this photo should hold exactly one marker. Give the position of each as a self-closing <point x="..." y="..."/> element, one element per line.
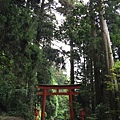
<point x="108" y="53"/>
<point x="92" y="88"/>
<point x="96" y="71"/>
<point x="71" y="63"/>
<point x="95" y="57"/>
<point x="31" y="91"/>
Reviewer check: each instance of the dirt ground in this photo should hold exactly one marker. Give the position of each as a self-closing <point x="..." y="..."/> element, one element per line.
<point x="10" y="118"/>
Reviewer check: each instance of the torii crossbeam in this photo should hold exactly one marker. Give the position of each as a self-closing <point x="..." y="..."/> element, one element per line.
<point x="46" y="91"/>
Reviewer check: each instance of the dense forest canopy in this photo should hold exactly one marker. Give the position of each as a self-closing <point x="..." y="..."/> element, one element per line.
<point x="28" y="58"/>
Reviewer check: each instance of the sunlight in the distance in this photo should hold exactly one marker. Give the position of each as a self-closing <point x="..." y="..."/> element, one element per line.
<point x="62" y="46"/>
<point x="85" y="1"/>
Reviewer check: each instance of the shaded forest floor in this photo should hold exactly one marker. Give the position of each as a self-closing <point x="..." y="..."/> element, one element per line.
<point x="10" y="118"/>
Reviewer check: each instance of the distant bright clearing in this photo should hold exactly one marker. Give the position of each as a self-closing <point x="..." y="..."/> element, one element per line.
<point x="85" y="1"/>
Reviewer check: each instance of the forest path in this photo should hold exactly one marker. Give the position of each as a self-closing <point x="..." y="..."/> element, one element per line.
<point x="10" y="118"/>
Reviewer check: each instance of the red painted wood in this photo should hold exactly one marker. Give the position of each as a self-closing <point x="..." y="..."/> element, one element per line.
<point x="82" y="117"/>
<point x="83" y="112"/>
<point x="71" y="108"/>
<point x="59" y="86"/>
<point x="58" y="93"/>
<point x="44" y="104"/>
<point x="45" y="91"/>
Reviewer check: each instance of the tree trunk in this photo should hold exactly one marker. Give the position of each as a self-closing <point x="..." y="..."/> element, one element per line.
<point x="71" y="63"/>
<point x="95" y="57"/>
<point x="108" y="54"/>
<point x="109" y="60"/>
<point x="92" y="88"/>
<point x="96" y="71"/>
<point x="31" y="91"/>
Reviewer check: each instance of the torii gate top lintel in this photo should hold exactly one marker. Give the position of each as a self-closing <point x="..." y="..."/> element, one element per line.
<point x="59" y="86"/>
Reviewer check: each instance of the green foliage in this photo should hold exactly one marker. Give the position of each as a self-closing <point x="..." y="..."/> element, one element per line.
<point x="58" y="76"/>
<point x="91" y="117"/>
<point x="26" y="55"/>
<point x="102" y="111"/>
<point x="115" y="75"/>
<point x="63" y="107"/>
<point x="115" y="86"/>
<point x="19" y="58"/>
<point x="56" y="105"/>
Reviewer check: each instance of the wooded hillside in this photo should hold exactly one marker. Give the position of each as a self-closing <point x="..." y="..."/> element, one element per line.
<point x="29" y="58"/>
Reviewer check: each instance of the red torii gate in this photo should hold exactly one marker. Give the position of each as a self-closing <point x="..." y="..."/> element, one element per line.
<point x="45" y="91"/>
